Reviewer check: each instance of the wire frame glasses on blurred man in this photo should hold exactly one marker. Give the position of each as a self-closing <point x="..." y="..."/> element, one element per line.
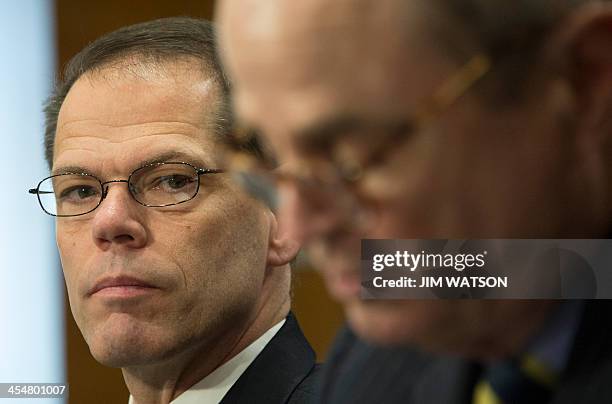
<point x="346" y="151"/>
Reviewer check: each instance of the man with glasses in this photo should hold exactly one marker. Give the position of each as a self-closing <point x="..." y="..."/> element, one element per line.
<point x="173" y="274"/>
<point x="457" y="119"/>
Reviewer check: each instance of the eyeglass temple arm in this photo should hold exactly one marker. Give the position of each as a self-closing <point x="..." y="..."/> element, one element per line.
<point x="456" y="86"/>
<point x="35" y="191"/>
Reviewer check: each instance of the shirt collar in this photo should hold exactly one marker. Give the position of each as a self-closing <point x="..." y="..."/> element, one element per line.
<point x="212" y="388"/>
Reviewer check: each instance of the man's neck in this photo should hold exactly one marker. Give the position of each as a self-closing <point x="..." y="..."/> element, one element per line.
<point x="163" y="381"/>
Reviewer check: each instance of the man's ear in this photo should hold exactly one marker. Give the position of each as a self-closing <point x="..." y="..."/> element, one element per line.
<point x="282" y="249"/>
<point x="582" y="47"/>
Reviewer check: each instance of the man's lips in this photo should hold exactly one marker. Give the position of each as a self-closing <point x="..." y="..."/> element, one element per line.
<point x="120" y="285"/>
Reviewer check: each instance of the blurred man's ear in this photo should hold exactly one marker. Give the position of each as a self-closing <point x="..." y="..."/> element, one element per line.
<point x="282" y="249"/>
<point x="582" y="49"/>
<point x="588" y="47"/>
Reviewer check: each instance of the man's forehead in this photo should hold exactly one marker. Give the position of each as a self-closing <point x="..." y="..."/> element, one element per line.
<point x="256" y="16"/>
<point x="111" y="113"/>
<point x="336" y="64"/>
<point x="341" y="21"/>
<point x="349" y="42"/>
<point x="119" y="95"/>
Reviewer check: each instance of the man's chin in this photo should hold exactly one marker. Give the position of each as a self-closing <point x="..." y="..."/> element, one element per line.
<point x="119" y="351"/>
<point x="127" y="345"/>
<point x="436" y="326"/>
<point x="380" y="322"/>
<point x="120" y="359"/>
<point x="401" y="322"/>
<point x="343" y="287"/>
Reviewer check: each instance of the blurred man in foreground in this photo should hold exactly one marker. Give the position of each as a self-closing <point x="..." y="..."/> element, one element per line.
<point x="173" y="274"/>
<point x="438" y="119"/>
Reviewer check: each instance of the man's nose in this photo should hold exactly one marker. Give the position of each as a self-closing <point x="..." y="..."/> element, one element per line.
<point x="307" y="217"/>
<point x="118" y="220"/>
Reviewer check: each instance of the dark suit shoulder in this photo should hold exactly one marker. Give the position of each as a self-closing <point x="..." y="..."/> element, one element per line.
<point x="361" y="373"/>
<point x="284" y="372"/>
<point x="357" y="372"/>
<point x="589" y="371"/>
<point x="307" y="391"/>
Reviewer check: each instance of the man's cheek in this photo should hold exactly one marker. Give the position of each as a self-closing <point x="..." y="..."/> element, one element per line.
<point x="71" y="268"/>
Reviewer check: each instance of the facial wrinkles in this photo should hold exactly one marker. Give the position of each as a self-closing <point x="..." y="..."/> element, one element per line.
<point x="119" y="99"/>
<point x="129" y="265"/>
<point x="122" y="155"/>
<point x="178" y="255"/>
<point x="206" y="255"/>
<point x="122" y="138"/>
<point x="129" y="142"/>
<point x="181" y="257"/>
<point x="182" y="224"/>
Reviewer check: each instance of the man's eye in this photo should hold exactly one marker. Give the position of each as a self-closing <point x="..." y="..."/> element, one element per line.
<point x="171" y="183"/>
<point x="78" y="193"/>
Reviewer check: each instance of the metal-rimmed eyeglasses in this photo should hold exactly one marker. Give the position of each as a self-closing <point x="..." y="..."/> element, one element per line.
<point x="152" y="185"/>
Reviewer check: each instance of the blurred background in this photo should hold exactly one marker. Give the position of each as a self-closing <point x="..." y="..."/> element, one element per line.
<point x="39" y="340"/>
<point x="31" y="292"/>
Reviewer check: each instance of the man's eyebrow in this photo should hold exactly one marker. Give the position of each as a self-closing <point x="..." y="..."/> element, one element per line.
<point x="326" y="132"/>
<point x="315" y="136"/>
<point x="71" y="170"/>
<point x="164" y="157"/>
<point x="175" y="156"/>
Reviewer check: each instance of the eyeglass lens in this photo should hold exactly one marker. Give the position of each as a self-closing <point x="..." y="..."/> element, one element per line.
<point x="155" y="186"/>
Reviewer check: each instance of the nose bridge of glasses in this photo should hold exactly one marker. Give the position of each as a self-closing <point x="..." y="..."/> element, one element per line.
<point x="105" y="187"/>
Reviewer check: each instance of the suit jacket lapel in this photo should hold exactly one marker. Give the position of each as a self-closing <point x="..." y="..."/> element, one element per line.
<point x="588" y="376"/>
<point x="586" y="380"/>
<point x="447" y="380"/>
<point x="277" y="370"/>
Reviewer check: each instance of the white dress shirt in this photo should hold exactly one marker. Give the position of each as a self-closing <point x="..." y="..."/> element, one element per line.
<point x="212" y="388"/>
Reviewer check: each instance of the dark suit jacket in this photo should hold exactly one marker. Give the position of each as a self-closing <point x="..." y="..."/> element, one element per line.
<point x="284" y="372"/>
<point x="360" y="373"/>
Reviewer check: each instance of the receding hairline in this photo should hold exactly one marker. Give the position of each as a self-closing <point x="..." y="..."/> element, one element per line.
<point x="152" y="44"/>
<point x="149" y="66"/>
<point x="183" y="68"/>
<point x="182" y="71"/>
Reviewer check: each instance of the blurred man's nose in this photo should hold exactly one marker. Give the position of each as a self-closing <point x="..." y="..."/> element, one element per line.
<point x="308" y="215"/>
<point x="118" y="220"/>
